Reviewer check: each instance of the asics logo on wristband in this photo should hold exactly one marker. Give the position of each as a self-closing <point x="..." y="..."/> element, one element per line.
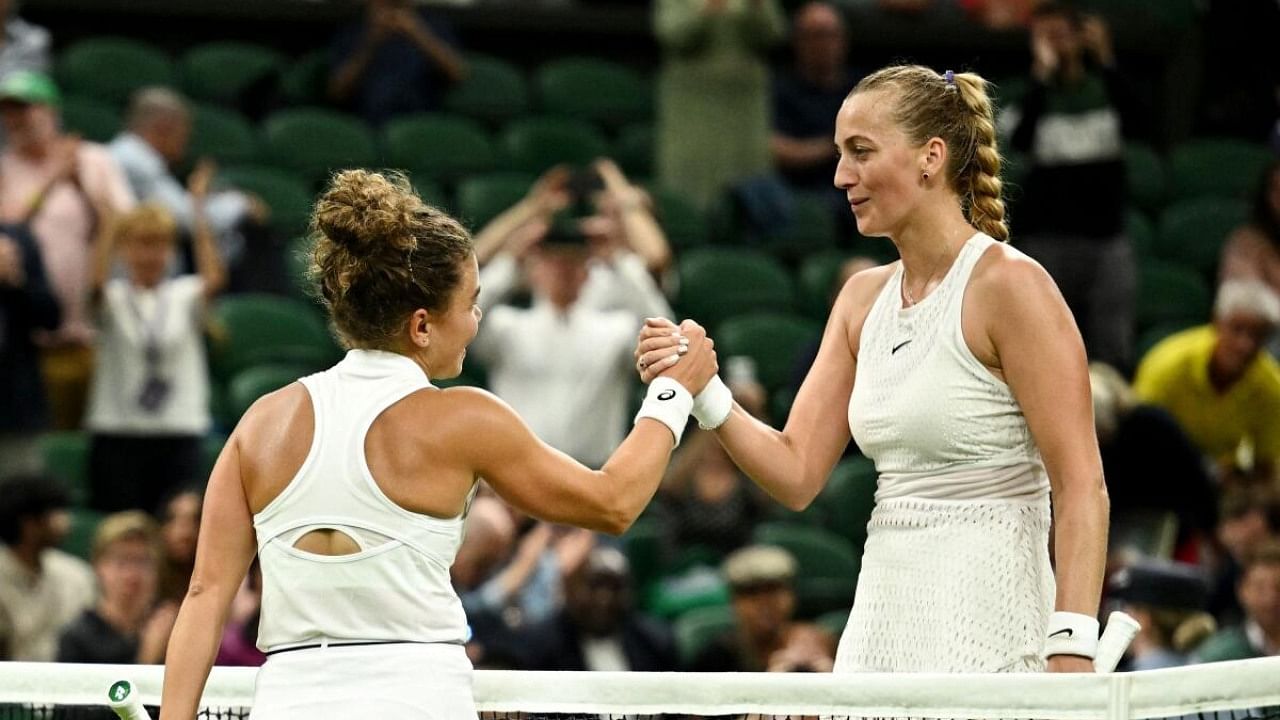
<point x="1068" y="631"/>
<point x="666" y="394"/>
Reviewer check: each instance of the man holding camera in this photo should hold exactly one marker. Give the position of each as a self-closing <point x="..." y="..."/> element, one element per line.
<point x="585" y="244"/>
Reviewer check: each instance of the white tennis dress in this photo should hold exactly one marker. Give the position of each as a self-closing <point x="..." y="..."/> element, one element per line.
<point x="378" y="633"/>
<point x="955" y="575"/>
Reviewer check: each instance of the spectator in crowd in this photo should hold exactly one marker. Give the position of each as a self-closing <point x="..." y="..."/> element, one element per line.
<point x="1259" y="593"/>
<point x="713" y="105"/>
<point x="149" y="407"/>
<point x="1168" y="600"/>
<point x="1074" y="85"/>
<point x="240" y="635"/>
<point x="705" y="500"/>
<point x="1149" y="462"/>
<point x="767" y="637"/>
<point x="507" y="583"/>
<point x="590" y="297"/>
<point x="395" y="60"/>
<point x="1219" y="384"/>
<point x="27" y="304"/>
<point x="23" y="46"/>
<point x="154" y="141"/>
<point x="59" y="186"/>
<point x="1248" y="519"/>
<point x="806" y="99"/>
<point x="126" y="626"/>
<point x="1252" y="251"/>
<point x="42" y="589"/>
<point x="599" y="627"/>
<point x="179" y="527"/>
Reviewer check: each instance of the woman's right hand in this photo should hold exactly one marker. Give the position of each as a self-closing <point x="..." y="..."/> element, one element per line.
<point x="693" y="368"/>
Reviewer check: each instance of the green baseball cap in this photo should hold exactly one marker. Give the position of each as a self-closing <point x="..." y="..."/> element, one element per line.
<point x="29" y="87"/>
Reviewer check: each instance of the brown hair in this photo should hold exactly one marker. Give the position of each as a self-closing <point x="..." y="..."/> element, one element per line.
<point x="379" y="253"/>
<point x="127" y="525"/>
<point x="147" y="219"/>
<point x="959" y="111"/>
<point x="1268" y="553"/>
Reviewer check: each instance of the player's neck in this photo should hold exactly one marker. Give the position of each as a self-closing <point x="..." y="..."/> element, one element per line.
<point x="932" y="238"/>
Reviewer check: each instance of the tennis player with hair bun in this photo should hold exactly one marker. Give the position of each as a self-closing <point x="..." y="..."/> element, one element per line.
<point x="352" y="485"/>
<point x="968" y="386"/>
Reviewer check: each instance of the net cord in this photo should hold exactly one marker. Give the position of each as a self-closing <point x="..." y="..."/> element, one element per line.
<point x="1121" y="696"/>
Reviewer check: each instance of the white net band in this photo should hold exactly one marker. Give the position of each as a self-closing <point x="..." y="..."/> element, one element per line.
<point x="1249" y="688"/>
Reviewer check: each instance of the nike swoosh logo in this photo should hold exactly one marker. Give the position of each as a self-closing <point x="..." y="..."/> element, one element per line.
<point x="898" y="347"/>
<point x="1068" y="631"/>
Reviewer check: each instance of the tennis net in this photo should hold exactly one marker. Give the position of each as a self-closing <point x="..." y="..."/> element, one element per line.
<point x="1241" y="690"/>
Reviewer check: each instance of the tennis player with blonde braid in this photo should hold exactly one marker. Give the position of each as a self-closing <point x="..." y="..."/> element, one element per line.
<point x="966" y="382"/>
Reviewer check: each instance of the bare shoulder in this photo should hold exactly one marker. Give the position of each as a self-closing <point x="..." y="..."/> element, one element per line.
<point x="275" y="410"/>
<point x="1011" y="279"/>
<point x="465" y="414"/>
<point x="860" y="290"/>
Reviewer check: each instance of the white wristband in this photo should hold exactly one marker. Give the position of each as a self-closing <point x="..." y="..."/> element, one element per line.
<point x="1071" y="634"/>
<point x="712" y="406"/>
<point x="669" y="403"/>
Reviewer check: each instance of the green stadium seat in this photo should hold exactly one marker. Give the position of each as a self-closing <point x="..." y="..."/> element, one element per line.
<point x="718" y="283"/>
<point x="834" y="622"/>
<point x="110" y="69"/>
<point x="1193" y="232"/>
<point x="827" y="565"/>
<point x="286" y="194"/>
<point x="432" y="193"/>
<point x="697" y="629"/>
<point x="1145" y="176"/>
<point x="1170" y="293"/>
<point x="79" y="540"/>
<point x="305" y="80"/>
<point x="633" y="150"/>
<point x="249" y="384"/>
<point x="595" y="90"/>
<point x="817" y="274"/>
<point x="696" y="587"/>
<point x="222" y="72"/>
<point x="1142" y="234"/>
<point x="223" y="135"/>
<point x="92" y="119"/>
<point x="849" y="498"/>
<point x="315" y="142"/>
<point x="773" y="340"/>
<point x="254" y="329"/>
<point x="780" y="402"/>
<point x="493" y="91"/>
<point x="66" y="457"/>
<point x="1217" y="167"/>
<point x="681" y="220"/>
<point x="1009" y="92"/>
<point x="642" y="544"/>
<point x="535" y="144"/>
<point x="438" y="147"/>
<point x="481" y="198"/>
<point x="812" y="229"/>
<point x="297" y="261"/>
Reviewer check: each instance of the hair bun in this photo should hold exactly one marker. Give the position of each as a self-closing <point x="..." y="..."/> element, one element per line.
<point x="366" y="212"/>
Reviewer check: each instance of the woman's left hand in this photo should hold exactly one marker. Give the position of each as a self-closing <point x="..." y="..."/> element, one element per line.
<point x="1069" y="664"/>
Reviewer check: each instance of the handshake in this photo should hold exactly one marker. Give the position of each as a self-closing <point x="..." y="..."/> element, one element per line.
<point x="669" y="355"/>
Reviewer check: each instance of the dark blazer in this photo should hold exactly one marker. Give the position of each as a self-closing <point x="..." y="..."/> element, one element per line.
<point x="554" y="645"/>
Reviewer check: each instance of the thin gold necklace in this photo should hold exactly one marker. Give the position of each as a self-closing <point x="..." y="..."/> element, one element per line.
<point x="906" y="291"/>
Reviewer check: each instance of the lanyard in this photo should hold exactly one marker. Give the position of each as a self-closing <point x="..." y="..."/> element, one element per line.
<point x="150" y="330"/>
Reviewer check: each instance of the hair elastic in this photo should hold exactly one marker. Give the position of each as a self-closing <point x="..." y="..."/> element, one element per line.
<point x="950" y="77"/>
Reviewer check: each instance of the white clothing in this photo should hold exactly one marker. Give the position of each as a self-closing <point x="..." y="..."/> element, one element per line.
<point x="604" y="654"/>
<point x="569" y="375"/>
<point x="397" y="587"/>
<point x="937" y="422"/>
<point x="403" y="681"/>
<point x="955" y="573"/>
<point x="171" y="314"/>
<point x="34" y="608"/>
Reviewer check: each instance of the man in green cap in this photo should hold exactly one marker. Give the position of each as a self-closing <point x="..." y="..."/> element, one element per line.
<point x="65" y="189"/>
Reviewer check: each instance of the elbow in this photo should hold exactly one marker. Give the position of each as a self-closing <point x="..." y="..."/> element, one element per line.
<point x="615" y="521"/>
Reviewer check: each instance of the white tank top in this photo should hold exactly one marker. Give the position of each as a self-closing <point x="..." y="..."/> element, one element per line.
<point x="397" y="587"/>
<point x="936" y="421"/>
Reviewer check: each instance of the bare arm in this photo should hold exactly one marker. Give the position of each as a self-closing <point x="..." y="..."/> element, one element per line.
<point x="439" y="52"/>
<point x="507" y="231"/>
<point x="643" y="233"/>
<point x="1041" y="355"/>
<point x="544" y="482"/>
<point x="223" y="553"/>
<point x="208" y="262"/>
<point x="343" y="79"/>
<point x="793" y="464"/>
